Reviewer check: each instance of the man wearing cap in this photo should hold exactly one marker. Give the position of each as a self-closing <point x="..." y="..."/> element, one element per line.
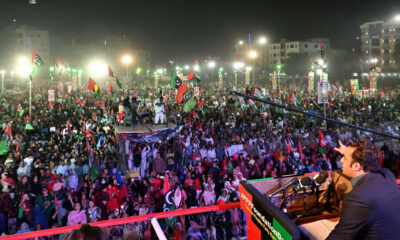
<point x="371" y="210"/>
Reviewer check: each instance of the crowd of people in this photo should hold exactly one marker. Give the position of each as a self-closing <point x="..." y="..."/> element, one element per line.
<point x="64" y="165"/>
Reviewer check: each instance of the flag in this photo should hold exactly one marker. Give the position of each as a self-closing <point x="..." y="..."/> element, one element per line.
<point x="189" y="105"/>
<point x="36" y="59"/>
<point x="181" y="90"/>
<point x="21" y="112"/>
<point x="192" y="76"/>
<point x="321" y="138"/>
<point x="8" y="131"/>
<point x="112" y="74"/>
<point x="69" y="127"/>
<point x="173" y="79"/>
<point x="28" y="126"/>
<point x="166" y="185"/>
<point x="169" y="205"/>
<point x="301" y="150"/>
<point x="110" y="87"/>
<point x="102" y="105"/>
<point x="17" y="147"/>
<point x="120" y="116"/>
<point x="227" y="149"/>
<point x="4" y="149"/>
<point x="91" y="84"/>
<point x="79" y="102"/>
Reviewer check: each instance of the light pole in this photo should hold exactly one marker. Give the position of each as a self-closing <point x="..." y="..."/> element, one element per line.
<point x="127" y="60"/>
<point x="236" y="66"/>
<point x="253" y="55"/>
<point x="2" y="80"/>
<point x="262" y="41"/>
<point x="212" y="65"/>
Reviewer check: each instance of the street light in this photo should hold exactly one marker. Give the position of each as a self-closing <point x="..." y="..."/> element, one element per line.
<point x="240" y="42"/>
<point x="2" y="80"/>
<point x="253" y="54"/>
<point x="262" y="40"/>
<point x="187" y="67"/>
<point x="397" y="18"/>
<point x="237" y="65"/>
<point x="196" y="68"/>
<point x="127" y="60"/>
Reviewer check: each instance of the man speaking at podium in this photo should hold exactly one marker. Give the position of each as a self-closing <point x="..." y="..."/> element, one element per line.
<point x="372" y="209"/>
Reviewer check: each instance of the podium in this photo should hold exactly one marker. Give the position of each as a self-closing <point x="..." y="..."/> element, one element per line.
<point x="266" y="219"/>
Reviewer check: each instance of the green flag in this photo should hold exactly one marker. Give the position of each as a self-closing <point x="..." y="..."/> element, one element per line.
<point x="189" y="105"/>
<point x="28" y="126"/>
<point x="21" y="112"/>
<point x="173" y="82"/>
<point x="4" y="149"/>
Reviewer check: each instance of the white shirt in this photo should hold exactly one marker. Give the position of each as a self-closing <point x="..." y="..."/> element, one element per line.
<point x="28" y="161"/>
<point x="62" y="170"/>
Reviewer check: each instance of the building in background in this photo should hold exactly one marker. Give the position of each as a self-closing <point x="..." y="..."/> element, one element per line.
<point x="378" y="39"/>
<point x="281" y="51"/>
<point x="21" y="40"/>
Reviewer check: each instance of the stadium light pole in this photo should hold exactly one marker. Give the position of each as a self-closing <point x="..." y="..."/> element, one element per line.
<point x="3" y="72"/>
<point x="253" y="55"/>
<point x="263" y="42"/>
<point x="127" y="60"/>
<point x="212" y="65"/>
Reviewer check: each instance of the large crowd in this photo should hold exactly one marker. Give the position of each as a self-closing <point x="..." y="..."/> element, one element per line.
<point x="64" y="163"/>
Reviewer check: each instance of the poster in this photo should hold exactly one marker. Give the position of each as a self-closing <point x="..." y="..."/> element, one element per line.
<point x="196" y="91"/>
<point x="354" y="86"/>
<point x="373" y="78"/>
<point x="51" y="95"/>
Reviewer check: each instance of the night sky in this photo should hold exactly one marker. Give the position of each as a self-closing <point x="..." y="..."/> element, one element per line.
<point x="186" y="30"/>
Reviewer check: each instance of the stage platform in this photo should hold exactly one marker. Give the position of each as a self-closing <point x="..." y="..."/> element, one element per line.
<point x="144" y="128"/>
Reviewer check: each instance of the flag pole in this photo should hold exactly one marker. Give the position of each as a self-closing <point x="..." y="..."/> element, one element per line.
<point x="30" y="98"/>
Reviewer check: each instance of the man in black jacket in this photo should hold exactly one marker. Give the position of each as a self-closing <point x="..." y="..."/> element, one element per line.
<point x="372" y="209"/>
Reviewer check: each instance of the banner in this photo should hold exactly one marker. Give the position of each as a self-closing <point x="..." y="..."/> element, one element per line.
<point x="152" y="136"/>
<point x="310" y="81"/>
<point x="273" y="80"/>
<point x="220" y="83"/>
<point x="196" y="91"/>
<point x="373" y="78"/>
<point x="354" y="86"/>
<point x="51" y="95"/>
<point x="247" y="78"/>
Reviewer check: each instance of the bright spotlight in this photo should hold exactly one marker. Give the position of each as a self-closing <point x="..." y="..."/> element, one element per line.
<point x="98" y="68"/>
<point x="319" y="71"/>
<point x="160" y="71"/>
<point x="248" y="68"/>
<point x="211" y="64"/>
<point x="321" y="62"/>
<point x="196" y="68"/>
<point x="252" y="54"/>
<point x="262" y="40"/>
<point x="2" y="72"/>
<point x="397" y="18"/>
<point x="187" y="67"/>
<point x="238" y="65"/>
<point x="240" y="42"/>
<point x="127" y="59"/>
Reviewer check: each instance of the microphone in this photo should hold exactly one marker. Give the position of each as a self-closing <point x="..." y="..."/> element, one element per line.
<point x="306" y="182"/>
<point x="292" y="182"/>
<point x="320" y="178"/>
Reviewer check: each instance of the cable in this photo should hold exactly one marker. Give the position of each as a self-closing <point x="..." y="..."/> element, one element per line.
<point x="314" y="115"/>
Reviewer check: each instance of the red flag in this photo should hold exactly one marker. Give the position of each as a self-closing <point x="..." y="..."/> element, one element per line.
<point x="301" y="150"/>
<point x="166" y="185"/>
<point x="196" y="62"/>
<point x="8" y="131"/>
<point x="110" y="72"/>
<point x="59" y="107"/>
<point x="321" y="138"/>
<point x="91" y="84"/>
<point x="227" y="149"/>
<point x="19" y="108"/>
<point x="289" y="147"/>
<point x="17" y="148"/>
<point x="182" y="89"/>
<point x="26" y="118"/>
<point x="212" y="129"/>
<point x="112" y="112"/>
<point x="190" y="76"/>
<point x="69" y="127"/>
<point x="380" y="159"/>
<point x="50" y="104"/>
<point x="102" y="105"/>
<point x="120" y="116"/>
<point x="110" y="88"/>
<point x="79" y="102"/>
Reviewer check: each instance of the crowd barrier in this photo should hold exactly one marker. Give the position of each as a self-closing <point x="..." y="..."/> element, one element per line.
<point x="121" y="221"/>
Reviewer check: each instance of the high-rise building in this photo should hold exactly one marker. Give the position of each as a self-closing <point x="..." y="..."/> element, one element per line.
<point x="378" y="39"/>
<point x="22" y="40"/>
<point x="281" y="51"/>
